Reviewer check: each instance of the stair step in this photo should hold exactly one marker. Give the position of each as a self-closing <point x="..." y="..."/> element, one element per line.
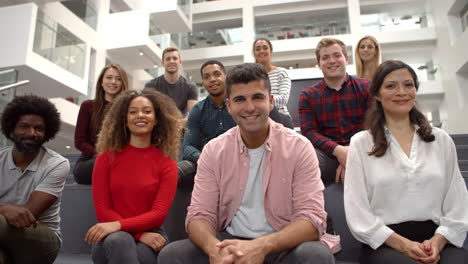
<point x="462" y="152"/>
<point x="460" y="139"/>
<point x="463" y="165"/>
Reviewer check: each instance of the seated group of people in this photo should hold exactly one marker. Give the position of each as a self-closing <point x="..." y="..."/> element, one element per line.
<point x="258" y="190"/>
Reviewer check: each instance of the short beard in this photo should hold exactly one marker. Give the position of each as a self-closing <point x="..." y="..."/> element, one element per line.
<point x="218" y="94"/>
<point x="27" y="148"/>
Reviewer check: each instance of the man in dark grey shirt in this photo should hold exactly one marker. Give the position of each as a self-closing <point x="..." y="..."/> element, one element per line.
<point x="31" y="182"/>
<point x="182" y="91"/>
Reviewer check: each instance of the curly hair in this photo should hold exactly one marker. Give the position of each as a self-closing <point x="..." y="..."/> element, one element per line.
<point x="166" y="135"/>
<point x="375" y="61"/>
<point x="30" y="105"/>
<point x="375" y="117"/>
<point x="100" y="107"/>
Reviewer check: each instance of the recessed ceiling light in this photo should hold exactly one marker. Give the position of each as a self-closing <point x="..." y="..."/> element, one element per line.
<point x="141" y="53"/>
<point x="155" y="66"/>
<point x="67" y="147"/>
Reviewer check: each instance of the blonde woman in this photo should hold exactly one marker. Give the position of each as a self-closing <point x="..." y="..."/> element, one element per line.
<point x="367" y="56"/>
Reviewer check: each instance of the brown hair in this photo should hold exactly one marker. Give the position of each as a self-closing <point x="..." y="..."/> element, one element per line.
<point x="267" y="41"/>
<point x="375" y="118"/>
<point x="170" y="49"/>
<point x="327" y="42"/>
<point x="100" y="107"/>
<point x="375" y="61"/>
<point x="166" y="134"/>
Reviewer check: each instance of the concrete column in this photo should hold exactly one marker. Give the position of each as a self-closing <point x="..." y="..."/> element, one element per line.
<point x="354" y="14"/>
<point x="248" y="23"/>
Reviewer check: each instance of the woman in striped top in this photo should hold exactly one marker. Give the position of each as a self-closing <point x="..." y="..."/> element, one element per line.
<point x="279" y="79"/>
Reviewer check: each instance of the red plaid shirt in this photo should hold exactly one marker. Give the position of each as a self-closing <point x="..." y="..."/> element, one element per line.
<point x="329" y="117"/>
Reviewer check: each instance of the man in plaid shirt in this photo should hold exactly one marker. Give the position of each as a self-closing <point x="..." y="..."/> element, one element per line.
<point x="333" y="110"/>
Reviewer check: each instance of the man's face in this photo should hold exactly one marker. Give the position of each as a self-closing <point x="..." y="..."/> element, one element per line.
<point x="250" y="105"/>
<point x="171" y="62"/>
<point x="29" y="132"/>
<point x="333" y="62"/>
<point x="213" y="79"/>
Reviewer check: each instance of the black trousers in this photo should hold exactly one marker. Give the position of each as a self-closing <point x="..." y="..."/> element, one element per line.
<point x="415" y="231"/>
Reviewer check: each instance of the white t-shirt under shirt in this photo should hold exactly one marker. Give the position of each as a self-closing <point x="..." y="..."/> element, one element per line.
<point x="250" y="220"/>
<point x="395" y="188"/>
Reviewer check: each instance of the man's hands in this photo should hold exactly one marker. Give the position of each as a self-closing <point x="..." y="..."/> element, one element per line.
<point x="242" y="251"/>
<point x="101" y="230"/>
<point x="18" y="216"/>
<point x="341" y="153"/>
<point x="153" y="240"/>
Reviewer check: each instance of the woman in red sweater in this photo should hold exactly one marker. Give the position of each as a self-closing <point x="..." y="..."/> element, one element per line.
<point x="111" y="82"/>
<point x="134" y="178"/>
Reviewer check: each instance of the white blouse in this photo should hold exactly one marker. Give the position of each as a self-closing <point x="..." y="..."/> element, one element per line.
<point x="393" y="188"/>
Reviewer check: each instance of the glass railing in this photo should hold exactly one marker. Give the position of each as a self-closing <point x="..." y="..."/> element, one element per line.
<point x="385" y="22"/>
<point x="84" y="9"/>
<point x="185" y="6"/>
<point x="58" y="45"/>
<point x="315" y="29"/>
<point x="220" y="37"/>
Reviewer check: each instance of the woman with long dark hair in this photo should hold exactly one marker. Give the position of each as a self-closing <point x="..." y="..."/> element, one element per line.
<point x="405" y="197"/>
<point x="111" y="82"/>
<point x="134" y="178"/>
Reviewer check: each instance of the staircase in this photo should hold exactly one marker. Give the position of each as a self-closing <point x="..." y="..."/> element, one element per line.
<point x="461" y="143"/>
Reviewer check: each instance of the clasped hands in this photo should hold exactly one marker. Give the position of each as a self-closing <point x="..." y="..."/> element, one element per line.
<point x="238" y="251"/>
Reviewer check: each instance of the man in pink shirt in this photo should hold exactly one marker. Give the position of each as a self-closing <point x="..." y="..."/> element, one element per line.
<point x="258" y="196"/>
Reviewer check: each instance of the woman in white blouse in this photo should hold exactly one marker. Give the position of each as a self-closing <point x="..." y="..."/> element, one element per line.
<point x="404" y="194"/>
<point x="279" y="79"/>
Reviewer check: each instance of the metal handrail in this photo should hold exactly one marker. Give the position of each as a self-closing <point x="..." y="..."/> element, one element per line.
<point x="7" y="71"/>
<point x="13" y="85"/>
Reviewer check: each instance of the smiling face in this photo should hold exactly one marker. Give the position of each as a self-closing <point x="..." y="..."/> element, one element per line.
<point x="171" y="62"/>
<point x="332" y="62"/>
<point x="111" y="83"/>
<point x="262" y="52"/>
<point x="141" y="117"/>
<point x="28" y="135"/>
<point x="397" y="93"/>
<point x="367" y="50"/>
<point x="249" y="105"/>
<point x="214" y="80"/>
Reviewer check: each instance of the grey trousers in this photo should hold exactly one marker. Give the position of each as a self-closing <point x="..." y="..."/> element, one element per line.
<point x="327" y="167"/>
<point x="184" y="251"/>
<point x="121" y="247"/>
<point x="27" y="245"/>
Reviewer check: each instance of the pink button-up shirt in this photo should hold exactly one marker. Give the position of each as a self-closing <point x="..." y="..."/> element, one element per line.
<point x="292" y="187"/>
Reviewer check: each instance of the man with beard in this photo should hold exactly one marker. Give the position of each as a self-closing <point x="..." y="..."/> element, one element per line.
<point x="209" y="118"/>
<point x="182" y="91"/>
<point x="258" y="197"/>
<point x="31" y="182"/>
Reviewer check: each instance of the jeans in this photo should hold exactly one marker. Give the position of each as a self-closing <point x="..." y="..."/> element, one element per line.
<point x="184" y="251"/>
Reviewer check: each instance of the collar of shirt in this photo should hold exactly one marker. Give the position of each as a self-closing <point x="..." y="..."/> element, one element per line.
<point x="210" y="101"/>
<point x="32" y="166"/>
<point x="343" y="85"/>
<point x="267" y="143"/>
